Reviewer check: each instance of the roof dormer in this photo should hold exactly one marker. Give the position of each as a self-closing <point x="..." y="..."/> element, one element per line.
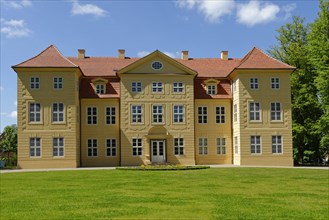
<point x="211" y="86"/>
<point x="99" y="85"/>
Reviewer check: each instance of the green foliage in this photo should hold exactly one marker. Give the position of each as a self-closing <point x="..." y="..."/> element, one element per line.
<point x="8" y="141"/>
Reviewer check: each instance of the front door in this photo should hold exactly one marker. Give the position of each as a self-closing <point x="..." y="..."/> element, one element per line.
<point x="158" y="151"/>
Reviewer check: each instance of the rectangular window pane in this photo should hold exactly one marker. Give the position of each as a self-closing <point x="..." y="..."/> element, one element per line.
<point x="220" y="115"/>
<point x="110" y="115"/>
<point x="91" y="115"/>
<point x="92" y="148"/>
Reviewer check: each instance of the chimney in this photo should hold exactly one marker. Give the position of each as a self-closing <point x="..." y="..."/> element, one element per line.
<point x="224" y="55"/>
<point x="81" y="53"/>
<point x="121" y="54"/>
<point x="185" y="55"/>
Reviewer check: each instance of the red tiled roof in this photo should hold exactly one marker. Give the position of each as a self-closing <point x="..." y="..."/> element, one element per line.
<point x="223" y="89"/>
<point x="87" y="89"/>
<point x="50" y="57"/>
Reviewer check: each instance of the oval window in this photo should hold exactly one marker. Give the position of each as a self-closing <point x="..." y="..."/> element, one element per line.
<point x="157" y="65"/>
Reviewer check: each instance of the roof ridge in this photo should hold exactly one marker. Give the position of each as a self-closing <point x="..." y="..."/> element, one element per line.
<point x="63" y="56"/>
<point x="274" y="58"/>
<point x="34" y="56"/>
<point x="245" y="58"/>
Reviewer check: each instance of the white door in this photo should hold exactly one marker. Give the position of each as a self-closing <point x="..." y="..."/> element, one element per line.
<point x="158" y="151"/>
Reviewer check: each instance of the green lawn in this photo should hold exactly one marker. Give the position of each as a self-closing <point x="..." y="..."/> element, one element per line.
<point x="224" y="193"/>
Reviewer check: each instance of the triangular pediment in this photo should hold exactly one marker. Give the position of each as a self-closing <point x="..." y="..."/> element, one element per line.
<point x="99" y="80"/>
<point x="157" y="63"/>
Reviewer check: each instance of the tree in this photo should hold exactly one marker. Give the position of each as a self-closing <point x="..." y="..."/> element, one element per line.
<point x="8" y="140"/>
<point x="319" y="58"/>
<point x="306" y="110"/>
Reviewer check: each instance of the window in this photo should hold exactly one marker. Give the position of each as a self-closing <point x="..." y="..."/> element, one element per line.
<point x="58" y="112"/>
<point x="236" y="145"/>
<point x="203" y="115"/>
<point x="254" y="111"/>
<point x="255" y="145"/>
<point x="178" y="87"/>
<point x="58" y="83"/>
<point x="100" y="88"/>
<point x="35" y="147"/>
<point x="92" y="148"/>
<point x="276" y="144"/>
<point x="220" y="114"/>
<point x="157" y="87"/>
<point x="110" y="115"/>
<point x="203" y="146"/>
<point x="211" y="89"/>
<point x="275" y="83"/>
<point x="137" y="147"/>
<point x="275" y="111"/>
<point x="235" y="112"/>
<point x="136" y="87"/>
<point x="157" y="114"/>
<point x="58" y="147"/>
<point x="157" y="65"/>
<point x="111" y="147"/>
<point x="234" y="86"/>
<point x="178" y="114"/>
<point x="35" y="112"/>
<point x="221" y="145"/>
<point x="91" y="115"/>
<point x="179" y="146"/>
<point x="34" y="82"/>
<point x="254" y="83"/>
<point x="136" y="114"/>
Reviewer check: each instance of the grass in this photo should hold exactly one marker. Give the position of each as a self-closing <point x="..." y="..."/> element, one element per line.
<point x="163" y="167"/>
<point x="224" y="193"/>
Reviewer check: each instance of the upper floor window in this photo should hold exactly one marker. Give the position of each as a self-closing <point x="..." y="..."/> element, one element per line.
<point x="100" y="89"/>
<point x="221" y="145"/>
<point x="58" y="83"/>
<point x="110" y="115"/>
<point x="275" y="83"/>
<point x="35" y="112"/>
<point x="157" y="65"/>
<point x="136" y="114"/>
<point x="34" y="82"/>
<point x="58" y="112"/>
<point x="220" y="114"/>
<point x="157" y="114"/>
<point x="276" y="144"/>
<point x="178" y="114"/>
<point x="275" y="111"/>
<point x="136" y="87"/>
<point x="178" y="87"/>
<point x="92" y="148"/>
<point x="234" y="86"/>
<point x="254" y="111"/>
<point x="211" y="89"/>
<point x="203" y="115"/>
<point x="137" y="147"/>
<point x="179" y="146"/>
<point x="236" y="145"/>
<point x="91" y="115"/>
<point x="58" y="147"/>
<point x="255" y="145"/>
<point x="111" y="147"/>
<point x="203" y="146"/>
<point x="235" y="112"/>
<point x="254" y="83"/>
<point x="35" y="147"/>
<point x="157" y="87"/>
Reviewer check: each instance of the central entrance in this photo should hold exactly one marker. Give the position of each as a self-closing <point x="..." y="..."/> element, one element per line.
<point x="158" y="148"/>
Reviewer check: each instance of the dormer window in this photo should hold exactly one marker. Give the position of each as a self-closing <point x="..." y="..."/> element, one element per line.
<point x="211" y="86"/>
<point x="99" y="85"/>
<point x="211" y="89"/>
<point x="100" y="88"/>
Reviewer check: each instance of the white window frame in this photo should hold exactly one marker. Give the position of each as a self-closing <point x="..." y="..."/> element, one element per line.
<point x="179" y="146"/>
<point x="136" y="115"/>
<point x="58" y="147"/>
<point x="211" y="89"/>
<point x="35" y="82"/>
<point x="203" y="146"/>
<point x="255" y="115"/>
<point x="203" y="115"/>
<point x="34" y="113"/>
<point x="276" y="111"/>
<point x="220" y="114"/>
<point x="255" y="144"/>
<point x="277" y="144"/>
<point x="92" y="116"/>
<point x="111" y="147"/>
<point x="35" y="146"/>
<point x="58" y="82"/>
<point x="100" y="88"/>
<point x="235" y="112"/>
<point x="136" y="87"/>
<point x="157" y="87"/>
<point x="221" y="146"/>
<point x="236" y="145"/>
<point x="275" y="83"/>
<point x="178" y="114"/>
<point x="92" y="145"/>
<point x="254" y="83"/>
<point x="57" y="114"/>
<point x="157" y="114"/>
<point x="110" y="115"/>
<point x="137" y="147"/>
<point x="178" y="87"/>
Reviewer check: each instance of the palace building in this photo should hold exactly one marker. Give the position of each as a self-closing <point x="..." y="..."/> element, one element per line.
<point x="120" y="111"/>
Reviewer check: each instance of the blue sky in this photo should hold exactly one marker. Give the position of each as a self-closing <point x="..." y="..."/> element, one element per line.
<point x="204" y="28"/>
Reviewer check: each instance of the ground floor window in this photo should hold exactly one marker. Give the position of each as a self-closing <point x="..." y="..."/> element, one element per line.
<point x="137" y="147"/>
<point x="111" y="147"/>
<point x="179" y="146"/>
<point x="58" y="147"/>
<point x="221" y="145"/>
<point x="92" y="148"/>
<point x="35" y="147"/>
<point x="255" y="145"/>
<point x="276" y="144"/>
<point x="203" y="146"/>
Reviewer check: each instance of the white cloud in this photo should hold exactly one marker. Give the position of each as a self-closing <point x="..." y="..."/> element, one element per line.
<point x="172" y="55"/>
<point x="13" y="114"/>
<point x="143" y="53"/>
<point x="17" y="4"/>
<point x="211" y="10"/>
<point x="2" y="88"/>
<point x="288" y="9"/>
<point x="87" y="9"/>
<point x="255" y="12"/>
<point x="14" y="28"/>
